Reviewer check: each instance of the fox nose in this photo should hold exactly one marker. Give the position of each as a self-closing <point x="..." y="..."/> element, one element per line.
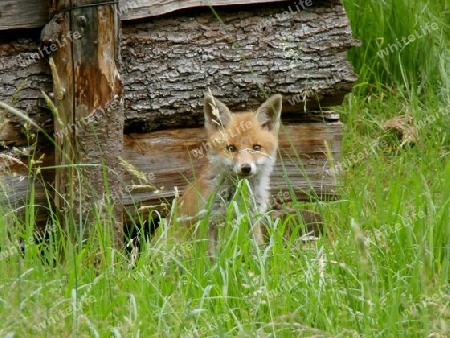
<point x="246" y="169"/>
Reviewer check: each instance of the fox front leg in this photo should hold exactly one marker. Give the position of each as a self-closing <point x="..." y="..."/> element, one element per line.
<point x="258" y="234"/>
<point x="212" y="239"/>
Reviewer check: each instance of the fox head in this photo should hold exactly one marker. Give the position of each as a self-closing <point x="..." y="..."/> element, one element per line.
<point x="244" y="143"/>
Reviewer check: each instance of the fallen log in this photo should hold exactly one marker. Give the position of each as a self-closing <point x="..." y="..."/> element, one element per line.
<point x="170" y="61"/>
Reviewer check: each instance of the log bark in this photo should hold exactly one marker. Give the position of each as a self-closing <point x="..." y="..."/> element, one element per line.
<point x="89" y="127"/>
<point x="171" y="61"/>
<point x="22" y="78"/>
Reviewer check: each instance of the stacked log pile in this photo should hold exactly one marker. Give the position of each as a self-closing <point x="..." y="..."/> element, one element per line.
<point x="170" y="60"/>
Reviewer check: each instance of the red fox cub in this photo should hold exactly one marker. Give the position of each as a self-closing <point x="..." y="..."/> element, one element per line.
<point x="240" y="146"/>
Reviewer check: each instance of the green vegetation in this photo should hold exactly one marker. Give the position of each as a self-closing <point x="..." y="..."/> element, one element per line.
<point x="383" y="272"/>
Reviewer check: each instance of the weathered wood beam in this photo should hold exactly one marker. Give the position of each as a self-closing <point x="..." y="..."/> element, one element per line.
<point x="171" y="158"/>
<point x="138" y="9"/>
<point x="88" y="96"/>
<point x="19" y="14"/>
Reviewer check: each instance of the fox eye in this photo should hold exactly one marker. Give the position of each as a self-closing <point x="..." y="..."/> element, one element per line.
<point x="256" y="147"/>
<point x="231" y="148"/>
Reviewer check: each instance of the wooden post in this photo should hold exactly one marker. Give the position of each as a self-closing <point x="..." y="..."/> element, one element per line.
<point x="84" y="37"/>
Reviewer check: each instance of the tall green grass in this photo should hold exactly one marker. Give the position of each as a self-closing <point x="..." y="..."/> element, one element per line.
<point x="421" y="66"/>
<point x="383" y="273"/>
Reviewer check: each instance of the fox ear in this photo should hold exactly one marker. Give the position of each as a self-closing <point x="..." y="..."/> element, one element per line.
<point x="268" y="115"/>
<point x="217" y="115"/>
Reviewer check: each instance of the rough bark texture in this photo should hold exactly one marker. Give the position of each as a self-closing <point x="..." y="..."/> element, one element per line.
<point x="170" y="62"/>
<point x="23" y="75"/>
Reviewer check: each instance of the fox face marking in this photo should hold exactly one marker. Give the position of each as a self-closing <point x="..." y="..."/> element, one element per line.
<point x="240" y="145"/>
<point x="243" y="142"/>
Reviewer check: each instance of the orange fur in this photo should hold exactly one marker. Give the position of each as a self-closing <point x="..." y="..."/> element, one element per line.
<point x="241" y="145"/>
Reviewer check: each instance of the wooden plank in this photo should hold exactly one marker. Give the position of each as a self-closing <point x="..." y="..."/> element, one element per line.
<point x="16" y="187"/>
<point x="62" y="68"/>
<point x="89" y="127"/>
<point x="19" y="14"/>
<point x="138" y="9"/>
<point x="16" y="14"/>
<point x="167" y="159"/>
<point x="171" y="159"/>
